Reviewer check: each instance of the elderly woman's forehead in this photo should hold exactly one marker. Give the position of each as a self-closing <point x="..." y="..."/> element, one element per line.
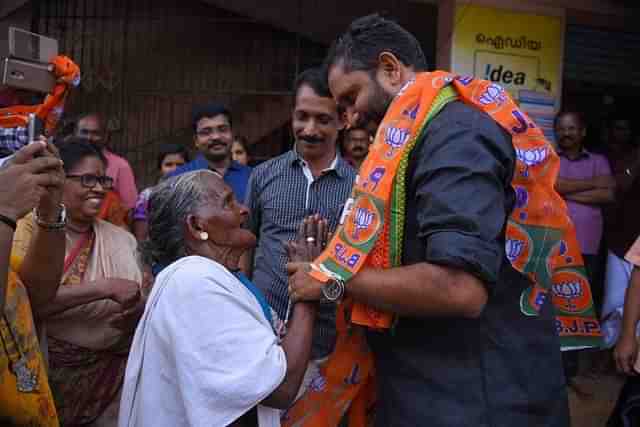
<point x="215" y="185"/>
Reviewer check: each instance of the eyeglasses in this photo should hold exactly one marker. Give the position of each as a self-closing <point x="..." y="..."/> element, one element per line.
<point x="90" y="180"/>
<point x="204" y="132"/>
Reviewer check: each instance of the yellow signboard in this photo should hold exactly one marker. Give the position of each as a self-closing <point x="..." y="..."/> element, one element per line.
<point x="520" y="51"/>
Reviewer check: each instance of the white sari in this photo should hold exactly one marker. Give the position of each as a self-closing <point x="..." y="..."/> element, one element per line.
<point x="203" y="354"/>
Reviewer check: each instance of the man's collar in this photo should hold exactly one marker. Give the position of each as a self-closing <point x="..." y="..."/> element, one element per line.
<point x="584" y="153"/>
<point x="203" y="162"/>
<point x="338" y="164"/>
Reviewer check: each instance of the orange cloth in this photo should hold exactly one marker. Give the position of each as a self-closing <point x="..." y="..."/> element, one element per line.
<point x="50" y="111"/>
<point x="113" y="211"/>
<point x="540" y="237"/>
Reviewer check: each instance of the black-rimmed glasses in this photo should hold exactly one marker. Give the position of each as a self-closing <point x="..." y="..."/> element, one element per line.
<point x="89" y="180"/>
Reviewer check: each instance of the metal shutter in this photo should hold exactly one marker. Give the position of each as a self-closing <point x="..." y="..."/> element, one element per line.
<point x="599" y="56"/>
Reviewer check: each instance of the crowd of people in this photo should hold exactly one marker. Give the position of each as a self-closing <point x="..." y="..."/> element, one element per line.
<point x="405" y="263"/>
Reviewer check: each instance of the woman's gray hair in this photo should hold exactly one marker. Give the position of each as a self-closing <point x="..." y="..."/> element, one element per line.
<point x="170" y="203"/>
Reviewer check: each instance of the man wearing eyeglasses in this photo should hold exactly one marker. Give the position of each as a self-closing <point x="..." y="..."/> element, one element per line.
<point x="92" y="127"/>
<point x="213" y="137"/>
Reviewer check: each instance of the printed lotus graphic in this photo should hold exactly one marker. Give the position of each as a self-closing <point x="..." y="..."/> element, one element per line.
<point x="374" y="177"/>
<point x="570" y="292"/>
<point x="318" y="383"/>
<point x="395" y="138"/>
<point x="532" y="157"/>
<point x="362" y="220"/>
<point x="493" y="94"/>
<point x="513" y="249"/>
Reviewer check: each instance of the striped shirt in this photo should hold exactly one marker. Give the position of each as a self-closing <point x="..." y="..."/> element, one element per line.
<point x="12" y="139"/>
<point x="280" y="194"/>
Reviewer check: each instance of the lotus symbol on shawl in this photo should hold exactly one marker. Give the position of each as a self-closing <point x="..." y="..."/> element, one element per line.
<point x="395" y="138"/>
<point x="362" y="220"/>
<point x="569" y="291"/>
<point x="374" y="178"/>
<point x="494" y="93"/>
<point x="514" y="249"/>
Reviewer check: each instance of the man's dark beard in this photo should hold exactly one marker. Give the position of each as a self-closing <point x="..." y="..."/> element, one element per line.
<point x="216" y="157"/>
<point x="378" y="105"/>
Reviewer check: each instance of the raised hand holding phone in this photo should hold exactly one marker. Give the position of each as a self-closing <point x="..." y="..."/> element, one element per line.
<point x="26" y="179"/>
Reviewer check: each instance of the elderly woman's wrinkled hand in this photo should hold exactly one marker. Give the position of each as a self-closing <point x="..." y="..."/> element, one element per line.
<point x="303" y="287"/>
<point x="311" y="239"/>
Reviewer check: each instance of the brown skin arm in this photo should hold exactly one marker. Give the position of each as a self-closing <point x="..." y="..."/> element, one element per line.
<point x="41" y="270"/>
<point x="297" y="348"/>
<point x="140" y="229"/>
<point x="418" y="290"/>
<point x="71" y="296"/>
<point x="421" y="290"/>
<point x="569" y="186"/>
<point x="600" y="196"/>
<point x="602" y="191"/>
<point x="626" y="350"/>
<point x="123" y="291"/>
<point x="297" y="343"/>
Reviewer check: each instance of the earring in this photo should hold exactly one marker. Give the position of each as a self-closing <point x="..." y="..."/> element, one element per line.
<point x="204" y="235"/>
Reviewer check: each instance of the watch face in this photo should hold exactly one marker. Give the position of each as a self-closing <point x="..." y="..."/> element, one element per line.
<point x="332" y="290"/>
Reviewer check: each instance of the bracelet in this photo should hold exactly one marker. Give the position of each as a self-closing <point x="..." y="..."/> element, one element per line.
<point x="9" y="221"/>
<point x="60" y="224"/>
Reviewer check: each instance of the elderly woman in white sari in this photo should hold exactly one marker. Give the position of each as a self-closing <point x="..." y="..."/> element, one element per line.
<point x="90" y="323"/>
<point x="207" y="351"/>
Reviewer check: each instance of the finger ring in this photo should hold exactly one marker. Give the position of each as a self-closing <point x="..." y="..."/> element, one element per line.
<point x="311" y="239"/>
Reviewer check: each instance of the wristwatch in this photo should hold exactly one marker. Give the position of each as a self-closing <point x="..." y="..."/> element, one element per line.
<point x="58" y="225"/>
<point x="332" y="291"/>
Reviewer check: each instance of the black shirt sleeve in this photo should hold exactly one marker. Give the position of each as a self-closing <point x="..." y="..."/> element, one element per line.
<point x="462" y="181"/>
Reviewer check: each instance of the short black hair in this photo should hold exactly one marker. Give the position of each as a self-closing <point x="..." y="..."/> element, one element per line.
<point x="578" y="115"/>
<point x="243" y="141"/>
<point x="74" y="149"/>
<point x="209" y="110"/>
<point x="316" y="79"/>
<point x="359" y="48"/>
<point x="347" y="131"/>
<point x="167" y="149"/>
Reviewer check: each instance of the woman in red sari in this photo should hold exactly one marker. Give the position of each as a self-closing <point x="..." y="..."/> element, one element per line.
<point x="90" y="323"/>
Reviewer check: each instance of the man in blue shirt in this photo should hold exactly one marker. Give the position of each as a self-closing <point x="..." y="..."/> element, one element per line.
<point x="213" y="137"/>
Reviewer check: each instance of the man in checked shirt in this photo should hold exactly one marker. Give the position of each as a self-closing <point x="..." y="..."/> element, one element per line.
<point x="311" y="178"/>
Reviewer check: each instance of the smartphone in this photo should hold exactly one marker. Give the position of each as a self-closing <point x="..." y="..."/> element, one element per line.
<point x="26" y="75"/>
<point x="35" y="127"/>
<point x="30" y="46"/>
